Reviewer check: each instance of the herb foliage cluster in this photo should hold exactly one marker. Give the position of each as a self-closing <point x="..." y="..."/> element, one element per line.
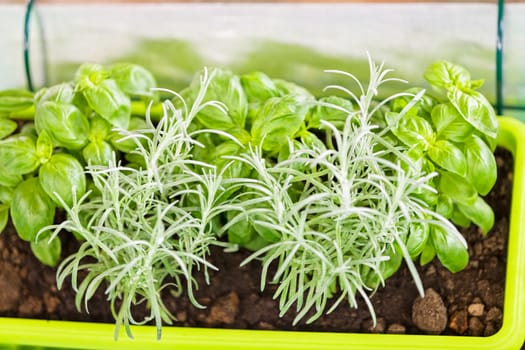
<point x="337" y="191"/>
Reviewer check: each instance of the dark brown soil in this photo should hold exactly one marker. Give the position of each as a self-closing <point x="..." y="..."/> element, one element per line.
<point x="467" y="303"/>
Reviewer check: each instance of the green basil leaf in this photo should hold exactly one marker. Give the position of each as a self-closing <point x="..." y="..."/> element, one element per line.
<point x="6" y="194"/>
<point x="9" y="180"/>
<point x="258" y="87"/>
<point x="267" y="233"/>
<point x="99" y="129"/>
<point x="332" y="109"/>
<point x="428" y="253"/>
<point x="224" y="149"/>
<point x="92" y="72"/>
<point x="226" y="88"/>
<point x="31" y="209"/>
<point x="288" y="88"/>
<point x="278" y="121"/>
<point x="457" y="188"/>
<point x="4" y="215"/>
<point x="417" y="239"/>
<point x="134" y="80"/>
<point x="15" y="100"/>
<point x="423" y="107"/>
<point x="476" y="84"/>
<point x="410" y="129"/>
<point x="47" y="252"/>
<point x="127" y="145"/>
<point x="475" y="109"/>
<point x="66" y="125"/>
<point x="29" y="130"/>
<point x="18" y="155"/>
<point x="44" y="147"/>
<point x="449" y="124"/>
<point x="387" y="268"/>
<point x="447" y="156"/>
<point x="459" y="219"/>
<point x="482" y="170"/>
<point x="312" y="141"/>
<point x="243" y="234"/>
<point x="63" y="177"/>
<point x="98" y="153"/>
<point x="480" y="214"/>
<point x="62" y="93"/>
<point x="445" y="74"/>
<point x="7" y="127"/>
<point x="451" y="250"/>
<point x="108" y="101"/>
<point x="444" y="206"/>
<point x="428" y="196"/>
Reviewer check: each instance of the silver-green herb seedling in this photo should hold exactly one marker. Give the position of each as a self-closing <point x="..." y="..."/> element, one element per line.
<point x="339" y="219"/>
<point x="148" y="227"/>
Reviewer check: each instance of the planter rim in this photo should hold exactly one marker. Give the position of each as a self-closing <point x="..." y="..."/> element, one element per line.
<point x="84" y="335"/>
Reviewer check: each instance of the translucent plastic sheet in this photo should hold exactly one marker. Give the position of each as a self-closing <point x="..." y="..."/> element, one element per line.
<point x="295" y="41"/>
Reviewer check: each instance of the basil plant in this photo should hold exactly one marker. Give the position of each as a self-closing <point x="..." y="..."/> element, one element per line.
<point x="75" y="124"/>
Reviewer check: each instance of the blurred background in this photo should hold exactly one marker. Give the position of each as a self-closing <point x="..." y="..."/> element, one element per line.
<point x="294" y="40"/>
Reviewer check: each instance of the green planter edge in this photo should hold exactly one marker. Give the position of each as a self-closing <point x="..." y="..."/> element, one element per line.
<point x="83" y="335"/>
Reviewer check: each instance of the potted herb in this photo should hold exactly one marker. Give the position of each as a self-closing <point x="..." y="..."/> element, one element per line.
<point x="337" y="192"/>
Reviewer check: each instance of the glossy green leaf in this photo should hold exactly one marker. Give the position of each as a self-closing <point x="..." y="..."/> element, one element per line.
<point x="225" y="87"/>
<point x="15" y="100"/>
<point x="445" y="74"/>
<point x="475" y="109"/>
<point x="410" y="129"/>
<point x="444" y="206"/>
<point x="258" y="87"/>
<point x="482" y="170"/>
<point x="449" y="124"/>
<point x="428" y="253"/>
<point x="66" y="125"/>
<point x="63" y="93"/>
<point x="91" y="72"/>
<point x="476" y="84"/>
<point x="459" y="219"/>
<point x="31" y="209"/>
<point x="108" y="101"/>
<point x="18" y="155"/>
<point x="44" y="147"/>
<point x="127" y="145"/>
<point x="278" y="121"/>
<point x="480" y="214"/>
<point x="451" y="250"/>
<point x="47" y="252"/>
<point x="6" y="194"/>
<point x="387" y="268"/>
<point x="332" y="109"/>
<point x="449" y="157"/>
<point x="423" y="107"/>
<point x="99" y="129"/>
<point x="7" y="127"/>
<point x="4" y="215"/>
<point x="417" y="239"/>
<point x="63" y="177"/>
<point x="217" y="157"/>
<point x="457" y="188"/>
<point x="9" y="180"/>
<point x="29" y="129"/>
<point x="98" y="153"/>
<point x="267" y="233"/>
<point x="288" y="88"/>
<point x="243" y="234"/>
<point x="311" y="140"/>
<point x="133" y="79"/>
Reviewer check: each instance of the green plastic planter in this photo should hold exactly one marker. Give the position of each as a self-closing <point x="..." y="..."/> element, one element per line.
<point x="80" y="335"/>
